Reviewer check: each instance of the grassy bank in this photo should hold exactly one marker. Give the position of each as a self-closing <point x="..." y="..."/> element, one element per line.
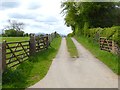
<point x="111" y="60"/>
<point x="33" y="70"/>
<point x="71" y="47"/>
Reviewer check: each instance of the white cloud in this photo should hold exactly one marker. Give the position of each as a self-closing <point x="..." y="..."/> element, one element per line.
<point x="38" y="15"/>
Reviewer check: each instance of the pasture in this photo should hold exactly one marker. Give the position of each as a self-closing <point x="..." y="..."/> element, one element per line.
<point x="13" y="39"/>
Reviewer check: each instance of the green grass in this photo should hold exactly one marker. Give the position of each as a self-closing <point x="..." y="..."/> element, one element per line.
<point x="71" y="47"/>
<point x="0" y="39"/>
<point x="111" y="60"/>
<point x="12" y="39"/>
<point x="33" y="70"/>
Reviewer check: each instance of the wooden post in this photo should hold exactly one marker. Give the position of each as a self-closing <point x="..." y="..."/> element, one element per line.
<point x="49" y="38"/>
<point x="47" y="41"/>
<point x="101" y="43"/>
<point x="43" y="41"/>
<point x="3" y="56"/>
<point x="32" y="45"/>
<point x="52" y="36"/>
<point x="113" y="47"/>
<point x="55" y="34"/>
<point x="0" y="58"/>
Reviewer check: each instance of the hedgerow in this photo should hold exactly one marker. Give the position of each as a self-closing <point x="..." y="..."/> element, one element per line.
<point x="112" y="33"/>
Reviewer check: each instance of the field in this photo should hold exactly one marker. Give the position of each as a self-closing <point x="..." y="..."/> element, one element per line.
<point x="12" y="39"/>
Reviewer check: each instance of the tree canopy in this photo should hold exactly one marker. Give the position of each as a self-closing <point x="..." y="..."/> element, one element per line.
<point x="13" y="24"/>
<point x="91" y="14"/>
<point x="14" y="29"/>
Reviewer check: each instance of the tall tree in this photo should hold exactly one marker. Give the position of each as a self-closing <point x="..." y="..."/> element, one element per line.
<point x="15" y="27"/>
<point x="91" y="14"/>
<point x="18" y="26"/>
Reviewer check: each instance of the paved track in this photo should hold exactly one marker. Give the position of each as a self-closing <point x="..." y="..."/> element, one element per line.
<point x="83" y="72"/>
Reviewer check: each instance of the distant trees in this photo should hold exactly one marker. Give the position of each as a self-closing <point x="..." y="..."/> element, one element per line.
<point x="13" y="33"/>
<point x="70" y="35"/>
<point x="13" y="24"/>
<point x="14" y="29"/>
<point x="26" y="34"/>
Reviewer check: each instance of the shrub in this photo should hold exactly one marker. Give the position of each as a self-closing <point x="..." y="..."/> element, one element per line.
<point x="70" y="35"/>
<point x="110" y="33"/>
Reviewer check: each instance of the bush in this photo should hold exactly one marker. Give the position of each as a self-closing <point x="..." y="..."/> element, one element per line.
<point x="70" y="35"/>
<point x="13" y="33"/>
<point x="112" y="33"/>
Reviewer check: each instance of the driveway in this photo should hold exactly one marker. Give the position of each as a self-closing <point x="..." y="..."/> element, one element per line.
<point x="83" y="72"/>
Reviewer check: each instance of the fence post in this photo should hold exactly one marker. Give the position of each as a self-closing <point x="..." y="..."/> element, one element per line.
<point x="113" y="47"/>
<point x="100" y="43"/>
<point x="3" y="56"/>
<point x="47" y="41"/>
<point x="32" y="44"/>
<point x="55" y="34"/>
<point x="49" y="37"/>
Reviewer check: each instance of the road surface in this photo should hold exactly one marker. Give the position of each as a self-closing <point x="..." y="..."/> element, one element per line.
<point x="83" y="72"/>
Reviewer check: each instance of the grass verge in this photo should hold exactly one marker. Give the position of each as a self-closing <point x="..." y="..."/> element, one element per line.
<point x="71" y="47"/>
<point x="111" y="60"/>
<point x="33" y="70"/>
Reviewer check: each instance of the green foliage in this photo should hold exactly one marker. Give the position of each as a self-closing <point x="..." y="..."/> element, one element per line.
<point x="57" y="35"/>
<point x="93" y="20"/>
<point x="110" y="33"/>
<point x="86" y="26"/>
<point x="71" y="18"/>
<point x="14" y="39"/>
<point x="15" y="25"/>
<point x="18" y="75"/>
<point x="70" y="35"/>
<point x="26" y="35"/>
<point x="77" y="30"/>
<point x="91" y="15"/>
<point x="10" y="32"/>
<point x="111" y="60"/>
<point x="13" y="33"/>
<point x="71" y="47"/>
<point x="33" y="70"/>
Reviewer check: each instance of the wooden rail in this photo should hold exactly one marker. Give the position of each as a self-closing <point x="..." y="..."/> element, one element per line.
<point x="109" y="45"/>
<point x="14" y="53"/>
<point x="105" y="44"/>
<point x="41" y="43"/>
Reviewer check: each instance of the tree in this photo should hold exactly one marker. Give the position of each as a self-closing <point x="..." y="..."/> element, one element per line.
<point x="26" y="34"/>
<point x="14" y="28"/>
<point x="83" y="15"/>
<point x="70" y="11"/>
<point x="18" y="26"/>
<point x="10" y="33"/>
<point x="13" y="33"/>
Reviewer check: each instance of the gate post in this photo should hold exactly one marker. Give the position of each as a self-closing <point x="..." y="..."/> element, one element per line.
<point x="3" y="56"/>
<point x="49" y="38"/>
<point x="32" y="44"/>
<point x="55" y="34"/>
<point x="113" y="47"/>
<point x="47" y="41"/>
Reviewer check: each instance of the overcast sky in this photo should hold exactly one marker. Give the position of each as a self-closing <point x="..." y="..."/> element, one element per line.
<point x="38" y="15"/>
